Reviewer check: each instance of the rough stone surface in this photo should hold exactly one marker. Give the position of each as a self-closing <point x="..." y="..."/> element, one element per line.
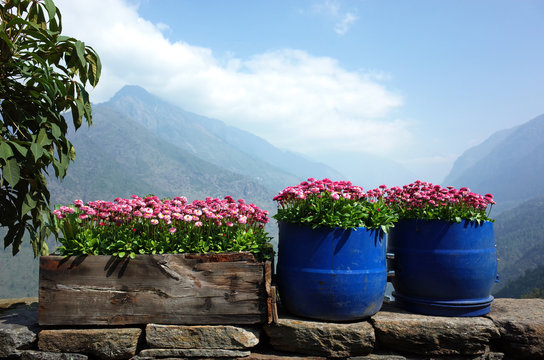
<point x="319" y="338"/>
<point x="201" y="337"/>
<point x="18" y="329"/>
<point x="378" y="357"/>
<point x="521" y="324"/>
<point x="41" y="355"/>
<point x="113" y="343"/>
<point x="191" y="353"/>
<point x="282" y="356"/>
<point x="433" y="335"/>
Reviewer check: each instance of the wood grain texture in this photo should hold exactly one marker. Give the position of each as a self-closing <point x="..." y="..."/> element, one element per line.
<point x="164" y="289"/>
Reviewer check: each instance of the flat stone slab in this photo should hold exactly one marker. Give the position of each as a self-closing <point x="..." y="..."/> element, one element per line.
<point x="112" y="343"/>
<point x="191" y="353"/>
<point x="521" y="325"/>
<point x="282" y="356"/>
<point x="292" y="334"/>
<point x="201" y="337"/>
<point x="432" y="335"/>
<point x="18" y="328"/>
<point x="41" y="355"/>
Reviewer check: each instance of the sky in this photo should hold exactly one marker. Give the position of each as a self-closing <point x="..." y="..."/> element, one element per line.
<point x="354" y="84"/>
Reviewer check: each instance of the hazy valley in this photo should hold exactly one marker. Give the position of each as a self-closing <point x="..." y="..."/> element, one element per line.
<point x="140" y="144"/>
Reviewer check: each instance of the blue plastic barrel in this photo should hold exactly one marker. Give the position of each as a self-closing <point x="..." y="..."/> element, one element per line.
<point x="443" y="268"/>
<point x="331" y="274"/>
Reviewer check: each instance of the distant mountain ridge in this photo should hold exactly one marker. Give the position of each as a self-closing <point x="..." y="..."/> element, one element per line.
<point x="118" y="157"/>
<point x="509" y="164"/>
<point x="214" y="141"/>
<point x="140" y="144"/>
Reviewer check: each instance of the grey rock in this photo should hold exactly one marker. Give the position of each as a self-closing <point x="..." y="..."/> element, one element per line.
<point x="201" y="337"/>
<point x="378" y="357"/>
<point x="41" y="355"/>
<point x="176" y="353"/>
<point x="521" y="325"/>
<point x="112" y="343"/>
<point x="433" y="335"/>
<point x="321" y="338"/>
<point x="18" y="330"/>
<point x="486" y="356"/>
<point x="281" y="356"/>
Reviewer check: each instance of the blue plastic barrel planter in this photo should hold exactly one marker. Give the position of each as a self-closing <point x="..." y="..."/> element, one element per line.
<point x="443" y="268"/>
<point x="331" y="274"/>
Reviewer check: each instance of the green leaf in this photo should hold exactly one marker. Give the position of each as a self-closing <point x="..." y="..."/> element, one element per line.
<point x="36" y="150"/>
<point x="77" y="113"/>
<point x="5" y="151"/>
<point x="11" y="172"/>
<point x="95" y="67"/>
<point x="51" y="9"/>
<point x="72" y="152"/>
<point x="28" y="204"/>
<point x="80" y="51"/>
<point x="20" y="149"/>
<point x="5" y="39"/>
<point x="55" y="130"/>
<point x="43" y="138"/>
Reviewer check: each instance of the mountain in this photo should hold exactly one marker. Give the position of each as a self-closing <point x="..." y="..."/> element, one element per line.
<point x="509" y="164"/>
<point x="118" y="157"/>
<point x="529" y="285"/>
<point x="519" y="236"/>
<point x="213" y="141"/>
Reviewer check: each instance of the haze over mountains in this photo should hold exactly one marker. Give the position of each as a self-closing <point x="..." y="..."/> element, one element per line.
<point x="139" y="144"/>
<point x="509" y="164"/>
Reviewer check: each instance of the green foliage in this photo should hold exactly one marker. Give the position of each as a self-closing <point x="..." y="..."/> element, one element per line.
<point x="347" y="214"/>
<point x="143" y="238"/>
<point x="152" y="226"/>
<point x="324" y="203"/>
<point x="42" y="75"/>
<point x="426" y="201"/>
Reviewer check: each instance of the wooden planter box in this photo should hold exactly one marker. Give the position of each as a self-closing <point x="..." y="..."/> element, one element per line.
<point x="167" y="289"/>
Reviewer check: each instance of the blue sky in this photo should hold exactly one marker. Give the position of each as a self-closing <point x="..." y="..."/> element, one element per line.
<point x="353" y="83"/>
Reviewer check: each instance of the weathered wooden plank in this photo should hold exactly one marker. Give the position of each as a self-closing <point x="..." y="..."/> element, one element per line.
<point x="274" y="307"/>
<point x="166" y="289"/>
<point x="268" y="286"/>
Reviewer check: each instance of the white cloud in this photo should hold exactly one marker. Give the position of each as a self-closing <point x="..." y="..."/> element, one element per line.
<point x="291" y="98"/>
<point x="164" y="28"/>
<point x="342" y="27"/>
<point x="343" y="20"/>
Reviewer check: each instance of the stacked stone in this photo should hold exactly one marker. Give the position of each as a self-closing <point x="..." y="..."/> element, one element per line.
<point x="173" y="341"/>
<point x="513" y="330"/>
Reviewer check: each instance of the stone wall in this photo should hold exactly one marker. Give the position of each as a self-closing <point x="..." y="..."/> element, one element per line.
<point x="513" y="330"/>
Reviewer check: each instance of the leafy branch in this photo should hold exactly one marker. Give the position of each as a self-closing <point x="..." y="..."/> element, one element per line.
<point x="42" y="75"/>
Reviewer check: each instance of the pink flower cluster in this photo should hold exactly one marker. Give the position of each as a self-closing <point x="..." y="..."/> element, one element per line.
<point x="321" y="188"/>
<point x="169" y="212"/>
<point x="422" y="194"/>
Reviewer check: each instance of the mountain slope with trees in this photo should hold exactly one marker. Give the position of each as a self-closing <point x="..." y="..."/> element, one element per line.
<point x="213" y="141"/>
<point x="519" y="235"/>
<point x="529" y="285"/>
<point x="509" y="164"/>
<point x="118" y="157"/>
